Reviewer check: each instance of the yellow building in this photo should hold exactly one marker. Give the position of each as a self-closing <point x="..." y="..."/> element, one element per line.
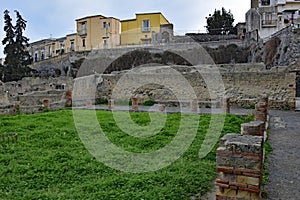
<point x="144" y="29"/>
<point x="93" y="32"/>
<point x="96" y="32"/>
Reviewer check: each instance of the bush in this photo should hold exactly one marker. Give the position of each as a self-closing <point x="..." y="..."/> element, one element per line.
<point x="148" y="103"/>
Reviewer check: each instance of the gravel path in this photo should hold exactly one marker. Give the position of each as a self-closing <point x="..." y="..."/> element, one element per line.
<point x="284" y="161"/>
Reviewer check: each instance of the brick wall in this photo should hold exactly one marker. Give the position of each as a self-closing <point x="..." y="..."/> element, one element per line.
<point x="240" y="159"/>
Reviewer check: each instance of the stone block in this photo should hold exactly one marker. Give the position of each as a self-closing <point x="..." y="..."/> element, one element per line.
<point x="161" y="107"/>
<point x="248" y="180"/>
<point x="135" y="105"/>
<point x="194" y="106"/>
<point x="89" y="103"/>
<point x="255" y="196"/>
<point x="226" y="105"/>
<point x="229" y="193"/>
<point x="243" y="194"/>
<point x="255" y="128"/>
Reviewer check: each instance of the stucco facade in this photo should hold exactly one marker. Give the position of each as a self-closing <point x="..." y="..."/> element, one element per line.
<point x="270" y="16"/>
<point x="97" y="32"/>
<point x="92" y="32"/>
<point x="143" y="29"/>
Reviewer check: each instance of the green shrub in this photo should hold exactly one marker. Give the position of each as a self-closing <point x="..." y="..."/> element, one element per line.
<point x="148" y="103"/>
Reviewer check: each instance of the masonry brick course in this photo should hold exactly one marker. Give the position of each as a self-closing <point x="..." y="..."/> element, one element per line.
<point x="240" y="159"/>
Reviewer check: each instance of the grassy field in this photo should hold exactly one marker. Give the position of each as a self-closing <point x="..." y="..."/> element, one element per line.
<point x="49" y="160"/>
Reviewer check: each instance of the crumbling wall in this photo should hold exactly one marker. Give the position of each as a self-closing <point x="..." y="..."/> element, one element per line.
<point x="280" y="49"/>
<point x="243" y="84"/>
<point x="35" y="94"/>
<point x="240" y="159"/>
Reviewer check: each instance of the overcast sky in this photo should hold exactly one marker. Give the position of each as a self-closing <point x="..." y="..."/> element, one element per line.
<point x="56" y="18"/>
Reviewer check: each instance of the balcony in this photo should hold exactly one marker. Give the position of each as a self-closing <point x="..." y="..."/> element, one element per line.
<point x="82" y="32"/>
<point x="269" y="23"/>
<point x="146" y="29"/>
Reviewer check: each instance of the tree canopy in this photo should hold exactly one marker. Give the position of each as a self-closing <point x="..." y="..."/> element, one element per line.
<point x="221" y="22"/>
<point x="16" y="56"/>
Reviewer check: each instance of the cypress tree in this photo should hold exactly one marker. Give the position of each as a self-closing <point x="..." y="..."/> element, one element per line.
<point x="8" y="41"/>
<point x="17" y="57"/>
<point x="21" y="42"/>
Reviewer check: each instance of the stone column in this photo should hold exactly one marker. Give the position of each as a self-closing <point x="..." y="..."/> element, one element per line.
<point x="135" y="102"/>
<point x="226" y="105"/>
<point x="261" y="110"/>
<point x="68" y="98"/>
<point x="89" y="103"/>
<point x="111" y="104"/>
<point x="161" y="107"/>
<point x="194" y="106"/>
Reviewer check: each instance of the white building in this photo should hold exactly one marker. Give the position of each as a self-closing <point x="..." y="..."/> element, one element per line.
<point x="270" y="16"/>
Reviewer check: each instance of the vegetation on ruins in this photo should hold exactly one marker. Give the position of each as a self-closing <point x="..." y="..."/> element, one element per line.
<point x="220" y="22"/>
<point x="49" y="160"/>
<point x="17" y="57"/>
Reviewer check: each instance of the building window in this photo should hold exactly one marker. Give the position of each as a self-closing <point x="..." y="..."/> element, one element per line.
<point x="265" y="2"/>
<point x="106" y="24"/>
<point x="72" y="45"/>
<point x="105" y="43"/>
<point x="42" y="55"/>
<point x="49" y="51"/>
<point x="83" y="28"/>
<point x="146" y="25"/>
<point x="83" y="42"/>
<point x="62" y="48"/>
<point x="269" y="19"/>
<point x="36" y="56"/>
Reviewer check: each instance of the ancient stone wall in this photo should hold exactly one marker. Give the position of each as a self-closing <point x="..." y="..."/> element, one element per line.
<point x="243" y="84"/>
<point x="203" y="37"/>
<point x="280" y="49"/>
<point x="35" y="94"/>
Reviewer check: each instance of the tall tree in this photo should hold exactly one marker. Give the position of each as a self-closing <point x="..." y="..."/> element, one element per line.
<point x="17" y="57"/>
<point x="8" y="41"/>
<point x="221" y="22"/>
<point x="21" y="41"/>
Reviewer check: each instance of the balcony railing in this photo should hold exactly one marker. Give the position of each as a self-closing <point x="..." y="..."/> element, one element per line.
<point x="268" y="23"/>
<point x="82" y="32"/>
<point x="146" y="29"/>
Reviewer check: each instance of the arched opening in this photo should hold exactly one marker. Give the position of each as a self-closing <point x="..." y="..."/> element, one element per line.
<point x="141" y="57"/>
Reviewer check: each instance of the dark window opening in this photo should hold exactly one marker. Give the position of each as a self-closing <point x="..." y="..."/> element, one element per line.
<point x="265" y="2"/>
<point x="83" y="42"/>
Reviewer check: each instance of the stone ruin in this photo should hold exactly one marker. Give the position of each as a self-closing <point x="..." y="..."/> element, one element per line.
<point x="32" y="95"/>
<point x="240" y="159"/>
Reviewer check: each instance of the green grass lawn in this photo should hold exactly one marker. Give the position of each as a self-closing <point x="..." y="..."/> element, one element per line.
<point x="50" y="162"/>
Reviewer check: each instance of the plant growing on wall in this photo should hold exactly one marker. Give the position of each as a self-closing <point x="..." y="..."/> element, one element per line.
<point x="221" y="22"/>
<point x="17" y="57"/>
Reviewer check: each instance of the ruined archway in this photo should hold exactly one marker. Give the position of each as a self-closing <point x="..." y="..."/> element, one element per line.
<point x="145" y="57"/>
